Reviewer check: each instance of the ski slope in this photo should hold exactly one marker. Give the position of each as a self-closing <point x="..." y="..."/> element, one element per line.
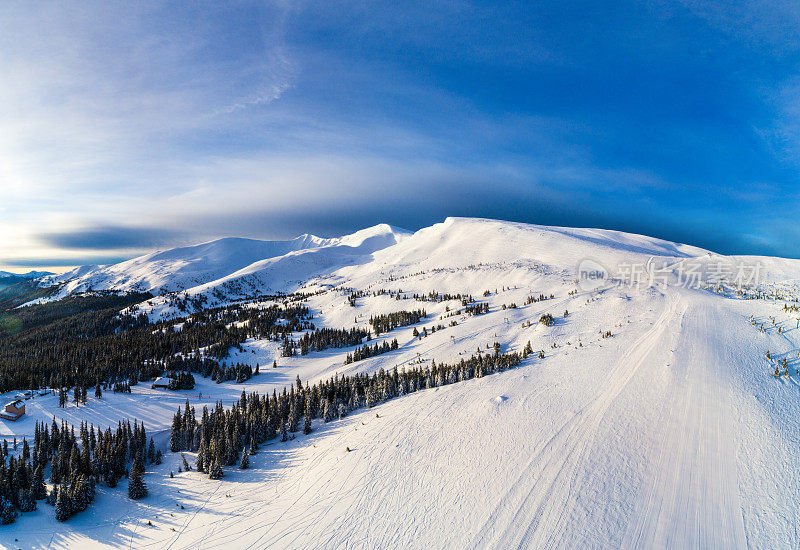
<point x="672" y="432"/>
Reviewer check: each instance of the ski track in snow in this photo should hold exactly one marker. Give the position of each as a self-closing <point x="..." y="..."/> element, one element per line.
<point x="545" y="487"/>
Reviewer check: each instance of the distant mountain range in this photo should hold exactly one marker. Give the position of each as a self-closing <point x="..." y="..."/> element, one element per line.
<point x="21" y="276"/>
<point x="8" y="279"/>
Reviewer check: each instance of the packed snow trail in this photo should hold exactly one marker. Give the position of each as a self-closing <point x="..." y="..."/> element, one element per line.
<point x="531" y="512"/>
<point x="692" y="494"/>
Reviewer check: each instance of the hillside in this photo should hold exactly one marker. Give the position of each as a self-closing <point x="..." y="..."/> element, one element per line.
<point x="651" y="418"/>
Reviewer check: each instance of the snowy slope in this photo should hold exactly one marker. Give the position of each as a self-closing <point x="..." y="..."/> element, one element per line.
<point x="670" y="433"/>
<point x="180" y="268"/>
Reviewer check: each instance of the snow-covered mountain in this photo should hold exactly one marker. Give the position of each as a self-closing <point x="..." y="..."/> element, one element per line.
<point x="511" y="253"/>
<point x="236" y="267"/>
<point x="223" y="260"/>
<point x="652" y="418"/>
<point x="8" y="279"/>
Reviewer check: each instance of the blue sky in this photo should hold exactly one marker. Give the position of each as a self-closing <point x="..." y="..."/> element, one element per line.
<point x="129" y="126"/>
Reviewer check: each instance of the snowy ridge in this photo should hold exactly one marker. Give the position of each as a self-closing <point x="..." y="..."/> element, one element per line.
<point x="221" y="260"/>
<point x="473" y="241"/>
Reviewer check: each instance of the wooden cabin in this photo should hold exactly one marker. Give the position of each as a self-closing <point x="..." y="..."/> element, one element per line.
<point x="14" y="410"/>
<point x="161" y="382"/>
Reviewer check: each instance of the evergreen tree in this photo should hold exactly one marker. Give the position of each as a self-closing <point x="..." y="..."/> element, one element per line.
<point x="7" y="512"/>
<point x="200" y="462"/>
<point x="110" y="480"/>
<point x="80" y="496"/>
<point x="175" y="435"/>
<point x="39" y="488"/>
<point x="137" y="489"/>
<point x="528" y="349"/>
<point x="215" y="472"/>
<point x="51" y="496"/>
<point x="245" y="463"/>
<point x="26" y="501"/>
<point x="294" y="417"/>
<point x="63" y="504"/>
<point x="138" y="465"/>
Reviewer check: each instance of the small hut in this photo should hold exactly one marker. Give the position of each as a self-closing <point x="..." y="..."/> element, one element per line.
<point x="14" y="410"/>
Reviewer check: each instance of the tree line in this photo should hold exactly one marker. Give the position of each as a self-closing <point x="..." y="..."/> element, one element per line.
<point x="390" y="321"/>
<point x="367" y="351"/>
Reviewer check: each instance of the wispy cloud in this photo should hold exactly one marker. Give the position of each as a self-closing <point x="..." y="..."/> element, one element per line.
<point x="771" y="26"/>
<point x="262" y="97"/>
<point x="112" y="238"/>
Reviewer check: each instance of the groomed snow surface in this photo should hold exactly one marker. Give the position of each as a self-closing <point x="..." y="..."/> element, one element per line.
<point x="671" y="433"/>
